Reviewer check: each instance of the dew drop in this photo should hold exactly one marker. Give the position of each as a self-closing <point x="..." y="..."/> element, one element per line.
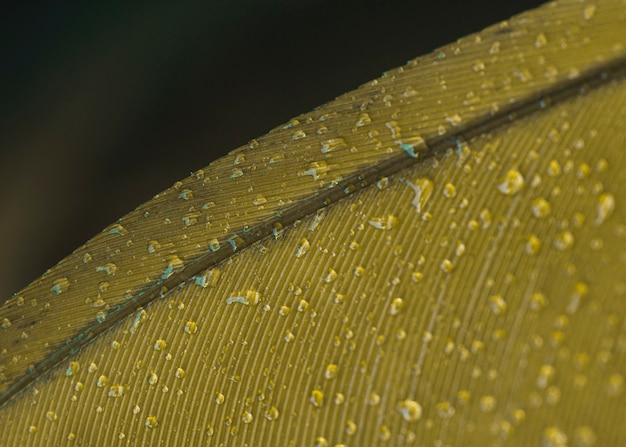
<point x="604" y="208"/>
<point x="554" y="437"/>
<point x="533" y="244"/>
<point x="564" y="240"/>
<point x="116" y="390"/>
<point x="615" y="385"/>
<point x="350" y="427"/>
<point x="449" y="190"/>
<point x="410" y="410"/>
<point x="208" y="278"/>
<point x="487" y="404"/>
<point x="191" y="327"/>
<point x="386" y="222"/>
<point x="363" y="120"/>
<point x="331" y="276"/>
<point x="153" y="378"/>
<point x="272" y="413"/>
<point x="540" y="207"/>
<point x="423" y="189"/>
<point x="248" y="298"/>
<point x="511" y="183"/>
<point x="497" y="304"/>
<point x="60" y="285"/>
<point x="72" y="368"/>
<point x="446" y="266"/>
<point x="554" y="168"/>
<point x="152" y="422"/>
<point x="317" y="398"/>
<point x="589" y="12"/>
<point x="396" y="306"/>
<point x="102" y="381"/>
<point x="331" y="371"/>
<point x="298" y="135"/>
<point x="259" y="200"/>
<point x="303" y="247"/>
<point x="247" y="417"/>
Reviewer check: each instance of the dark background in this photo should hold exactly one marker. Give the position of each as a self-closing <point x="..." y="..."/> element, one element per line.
<point x="104" y="105"/>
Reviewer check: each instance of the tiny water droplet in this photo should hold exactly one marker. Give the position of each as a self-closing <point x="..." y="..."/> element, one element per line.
<point x="60" y="285"/>
<point x="511" y="183"/>
<point x="410" y="410"/>
<point x="604" y="208"/>
<point x="152" y="422"/>
<point x="317" y="398"/>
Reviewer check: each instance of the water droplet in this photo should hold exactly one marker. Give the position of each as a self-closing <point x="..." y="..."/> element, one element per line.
<point x="589" y="12"/>
<point x="72" y="369"/>
<point x="208" y="278"/>
<point x="173" y="263"/>
<point x="540" y="40"/>
<point x="554" y="168"/>
<point x="449" y="190"/>
<point x="564" y="240"/>
<point x="386" y="222"/>
<point x="272" y="414"/>
<point x="317" y="398"/>
<point x="396" y="306"/>
<point x="236" y="173"/>
<point x="331" y="371"/>
<point x="60" y="285"/>
<point x="358" y="271"/>
<point x="186" y="194"/>
<point x="363" y="120"/>
<point x="331" y="276"/>
<point x="446" y="266"/>
<point x="153" y="378"/>
<point x="350" y="427"/>
<point x="540" y="207"/>
<point x="497" y="304"/>
<point x="152" y="422"/>
<point x="249" y="297"/>
<point x="410" y="410"/>
<point x="51" y="415"/>
<point x="246" y="417"/>
<point x="454" y="120"/>
<point x="303" y="247"/>
<point x="445" y="410"/>
<point x="554" y="437"/>
<point x="116" y="390"/>
<point x="102" y="381"/>
<point x="259" y="200"/>
<point x="320" y="442"/>
<point x="487" y="404"/>
<point x="191" y="327"/>
<point x="533" y="244"/>
<point x="289" y="337"/>
<point x="546" y="374"/>
<point x="32" y="429"/>
<point x="160" y="345"/>
<point x="511" y="183"/>
<point x="584" y="436"/>
<point x="317" y="170"/>
<point x="298" y="135"/>
<point x="423" y="189"/>
<point x="101" y="316"/>
<point x="117" y="229"/>
<point x="604" y="208"/>
<point x="140" y="317"/>
<point x="615" y="385"/>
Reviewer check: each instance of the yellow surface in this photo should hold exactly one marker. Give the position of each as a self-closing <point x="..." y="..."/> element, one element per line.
<point x="469" y="296"/>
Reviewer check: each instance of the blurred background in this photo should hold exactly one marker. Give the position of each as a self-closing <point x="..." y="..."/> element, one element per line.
<point x="104" y="104"/>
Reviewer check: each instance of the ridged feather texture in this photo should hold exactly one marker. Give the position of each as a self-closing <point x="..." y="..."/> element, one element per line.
<point x="435" y="257"/>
